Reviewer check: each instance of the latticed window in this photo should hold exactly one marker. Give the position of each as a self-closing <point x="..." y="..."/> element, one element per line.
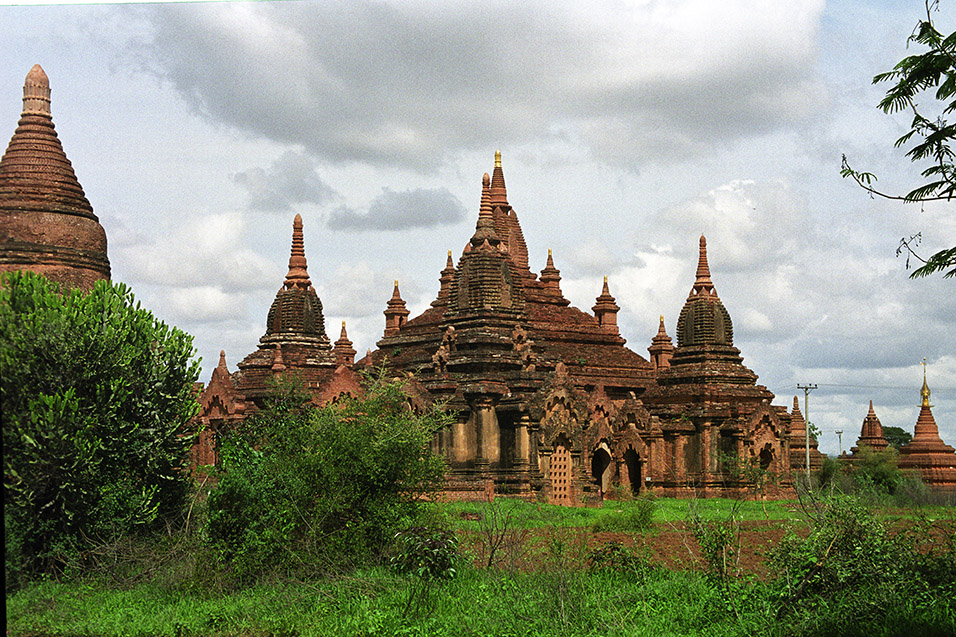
<point x="561" y="475"/>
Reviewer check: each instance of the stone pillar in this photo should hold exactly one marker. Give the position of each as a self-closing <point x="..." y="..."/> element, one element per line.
<point x="463" y="446"/>
<point x="522" y="444"/>
<point x="490" y="434"/>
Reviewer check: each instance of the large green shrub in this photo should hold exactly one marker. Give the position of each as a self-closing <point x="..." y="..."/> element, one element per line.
<point x="96" y="394"/>
<point x="311" y="489"/>
<point x="853" y="574"/>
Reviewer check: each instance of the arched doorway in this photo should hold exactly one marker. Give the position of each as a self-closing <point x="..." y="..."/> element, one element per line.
<point x="633" y="463"/>
<point x="766" y="457"/>
<point x="601" y="468"/>
<point x="560" y="473"/>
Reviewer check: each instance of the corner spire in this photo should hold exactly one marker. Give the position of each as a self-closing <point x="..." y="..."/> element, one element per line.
<point x="343" y="350"/>
<point x="445" y="282"/>
<point x="703" y="286"/>
<point x="551" y="276"/>
<point x="605" y="309"/>
<point x="298" y="276"/>
<point x="662" y="348"/>
<point x="395" y="312"/>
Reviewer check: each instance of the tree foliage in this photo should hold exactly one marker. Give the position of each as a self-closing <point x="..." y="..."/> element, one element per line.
<point x="931" y="73"/>
<point x="313" y="489"/>
<point x="897" y="436"/>
<point x="96" y="395"/>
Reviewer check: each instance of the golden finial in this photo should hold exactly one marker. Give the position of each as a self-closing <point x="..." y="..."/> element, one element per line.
<point x="662" y="318"/>
<point x="924" y="391"/>
<point x="549" y="252"/>
<point x="605" y="279"/>
<point x="449" y="253"/>
<point x="343" y="325"/>
<point x="497" y="159"/>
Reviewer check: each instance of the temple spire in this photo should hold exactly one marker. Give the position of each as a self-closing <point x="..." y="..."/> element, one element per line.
<point x="924" y="390"/>
<point x="499" y="193"/>
<point x="298" y="276"/>
<point x="551" y="276"/>
<point x="343" y="350"/>
<point x="395" y="312"/>
<point x="485" y="228"/>
<point x="703" y="286"/>
<point x="47" y="224"/>
<point x="662" y="348"/>
<point x="605" y="309"/>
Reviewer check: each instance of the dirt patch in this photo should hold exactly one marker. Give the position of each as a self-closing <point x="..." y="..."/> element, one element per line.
<point x="669" y="545"/>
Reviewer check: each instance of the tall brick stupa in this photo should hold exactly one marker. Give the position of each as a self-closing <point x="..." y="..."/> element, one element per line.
<point x="935" y="460"/>
<point x="47" y="224"/>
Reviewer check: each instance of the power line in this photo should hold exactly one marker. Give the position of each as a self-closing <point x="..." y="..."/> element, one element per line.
<point x="895" y="387"/>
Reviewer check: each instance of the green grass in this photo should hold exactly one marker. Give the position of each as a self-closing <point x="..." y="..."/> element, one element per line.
<point x="374" y="602"/>
<point x="531" y="515"/>
<point x="557" y="592"/>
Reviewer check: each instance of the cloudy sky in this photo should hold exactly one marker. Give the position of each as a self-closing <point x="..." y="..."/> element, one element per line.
<point x="627" y="129"/>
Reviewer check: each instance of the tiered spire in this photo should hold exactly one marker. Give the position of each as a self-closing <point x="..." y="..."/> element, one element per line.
<point x="485" y="228"/>
<point x="551" y="276"/>
<point x="798" y="442"/>
<point x="926" y="451"/>
<point x="343" y="350"/>
<point x="395" y="312"/>
<point x="298" y="276"/>
<point x="34" y="172"/>
<point x="703" y="286"/>
<point x="296" y="313"/>
<point x="704" y="320"/>
<point x="499" y="193"/>
<point x="605" y="309"/>
<point x="871" y="434"/>
<point x="662" y="348"/>
<point x="47" y="223"/>
<point x="447" y="278"/>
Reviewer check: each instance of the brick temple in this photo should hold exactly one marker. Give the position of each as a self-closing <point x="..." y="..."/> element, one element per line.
<point x="549" y="402"/>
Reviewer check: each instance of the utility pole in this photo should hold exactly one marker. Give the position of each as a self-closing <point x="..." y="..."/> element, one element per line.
<point x="806" y="411"/>
<point x="839" y="433"/>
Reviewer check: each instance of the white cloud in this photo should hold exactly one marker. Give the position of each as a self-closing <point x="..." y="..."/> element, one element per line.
<point x="199" y="250"/>
<point x="413" y="84"/>
<point x="203" y="303"/>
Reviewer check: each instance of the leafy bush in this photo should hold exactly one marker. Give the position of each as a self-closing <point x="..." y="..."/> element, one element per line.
<point x="427" y="553"/>
<point x="311" y="489"/>
<point x="96" y="397"/>
<point x="851" y="570"/>
<point x="719" y="542"/>
<point x="614" y="556"/>
<point x="635" y="517"/>
<point x="876" y="472"/>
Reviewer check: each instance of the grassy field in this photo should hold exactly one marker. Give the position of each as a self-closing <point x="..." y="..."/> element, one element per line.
<point x="375" y="602"/>
<point x="559" y="589"/>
